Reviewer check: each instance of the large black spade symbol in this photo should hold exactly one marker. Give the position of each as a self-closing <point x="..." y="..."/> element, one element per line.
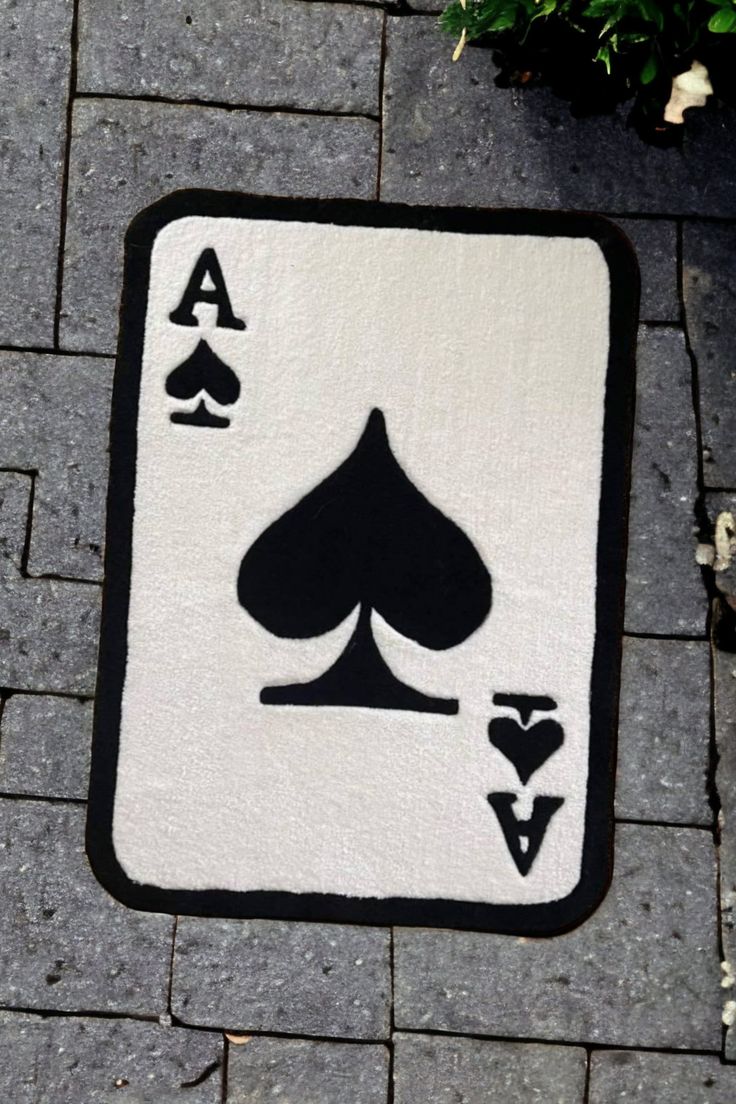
<point x="203" y="371"/>
<point x="365" y="536"/>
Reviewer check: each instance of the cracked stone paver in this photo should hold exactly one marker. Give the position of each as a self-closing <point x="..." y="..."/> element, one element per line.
<point x="709" y="285"/>
<point x="73" y="1059"/>
<point x="664" y="589"/>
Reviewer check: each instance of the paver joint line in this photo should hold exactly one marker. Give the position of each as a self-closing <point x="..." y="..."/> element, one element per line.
<point x="218" y="105"/>
<point x="65" y="171"/>
<point x="43" y="351"/>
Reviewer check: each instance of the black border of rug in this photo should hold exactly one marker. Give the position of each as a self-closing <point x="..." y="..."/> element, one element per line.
<point x="597" y="862"/>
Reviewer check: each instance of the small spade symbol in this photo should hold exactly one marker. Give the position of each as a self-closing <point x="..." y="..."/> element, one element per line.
<point x="527" y="748"/>
<point x="203" y="373"/>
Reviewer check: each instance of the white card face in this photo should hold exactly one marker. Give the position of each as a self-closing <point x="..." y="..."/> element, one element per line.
<point x="364" y="575"/>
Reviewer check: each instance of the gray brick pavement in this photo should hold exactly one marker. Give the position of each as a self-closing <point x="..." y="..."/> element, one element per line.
<point x="15" y="499"/>
<point x="642" y="971"/>
<point x="664" y="589"/>
<point x="80" y="1060"/>
<point x="655" y="243"/>
<point x="261" y="1070"/>
<point x="48" y="636"/>
<point x="66" y="944"/>
<point x="709" y="283"/>
<point x="48" y="629"/>
<point x="54" y="415"/>
<point x="126" y="155"/>
<point x="270" y="53"/>
<point x="664" y="732"/>
<point x="623" y="1077"/>
<point x="449" y="1070"/>
<point x="451" y="136"/>
<point x="724" y="700"/>
<point x="301" y="979"/>
<point x="45" y="746"/>
<point x="34" y="81"/>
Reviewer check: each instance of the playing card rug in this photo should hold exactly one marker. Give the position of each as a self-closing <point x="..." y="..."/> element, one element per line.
<point x="365" y="562"/>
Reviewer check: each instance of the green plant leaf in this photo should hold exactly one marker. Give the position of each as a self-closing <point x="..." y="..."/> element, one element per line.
<point x="544" y="8"/>
<point x="504" y="19"/>
<point x="604" y="55"/>
<point x="723" y="21"/>
<point x="652" y="13"/>
<point x="649" y="69"/>
<point x="598" y="9"/>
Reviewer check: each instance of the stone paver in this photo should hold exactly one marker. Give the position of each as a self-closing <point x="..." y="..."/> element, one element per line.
<point x="66" y="944"/>
<point x="298" y="1071"/>
<point x="623" y="1077"/>
<point x="34" y="82"/>
<point x="126" y="155"/>
<point x="71" y="1060"/>
<point x="48" y="629"/>
<point x="301" y="979"/>
<point x="15" y="500"/>
<point x="451" y="136"/>
<point x="655" y="243"/>
<point x="270" y="53"/>
<point x="54" y="415"/>
<point x="664" y="732"/>
<point x="45" y="746"/>
<point x="664" y="589"/>
<point x="724" y="703"/>
<point x="447" y="1071"/>
<point x="48" y="636"/>
<point x="642" y="971"/>
<point x="709" y="280"/>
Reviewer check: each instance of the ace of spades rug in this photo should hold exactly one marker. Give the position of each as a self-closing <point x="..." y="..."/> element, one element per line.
<point x="364" y="573"/>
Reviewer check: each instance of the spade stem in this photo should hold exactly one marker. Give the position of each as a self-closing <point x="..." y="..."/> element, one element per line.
<point x="359" y="677"/>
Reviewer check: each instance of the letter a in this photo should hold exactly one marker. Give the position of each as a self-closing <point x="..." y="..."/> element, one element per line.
<point x="531" y="830"/>
<point x="207" y="265"/>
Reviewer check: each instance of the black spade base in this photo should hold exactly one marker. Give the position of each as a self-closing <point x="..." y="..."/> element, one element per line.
<point x="200" y="417"/>
<point x="360" y="676"/>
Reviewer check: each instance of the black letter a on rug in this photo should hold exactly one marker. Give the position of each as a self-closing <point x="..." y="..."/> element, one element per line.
<point x="532" y="830"/>
<point x="207" y="266"/>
